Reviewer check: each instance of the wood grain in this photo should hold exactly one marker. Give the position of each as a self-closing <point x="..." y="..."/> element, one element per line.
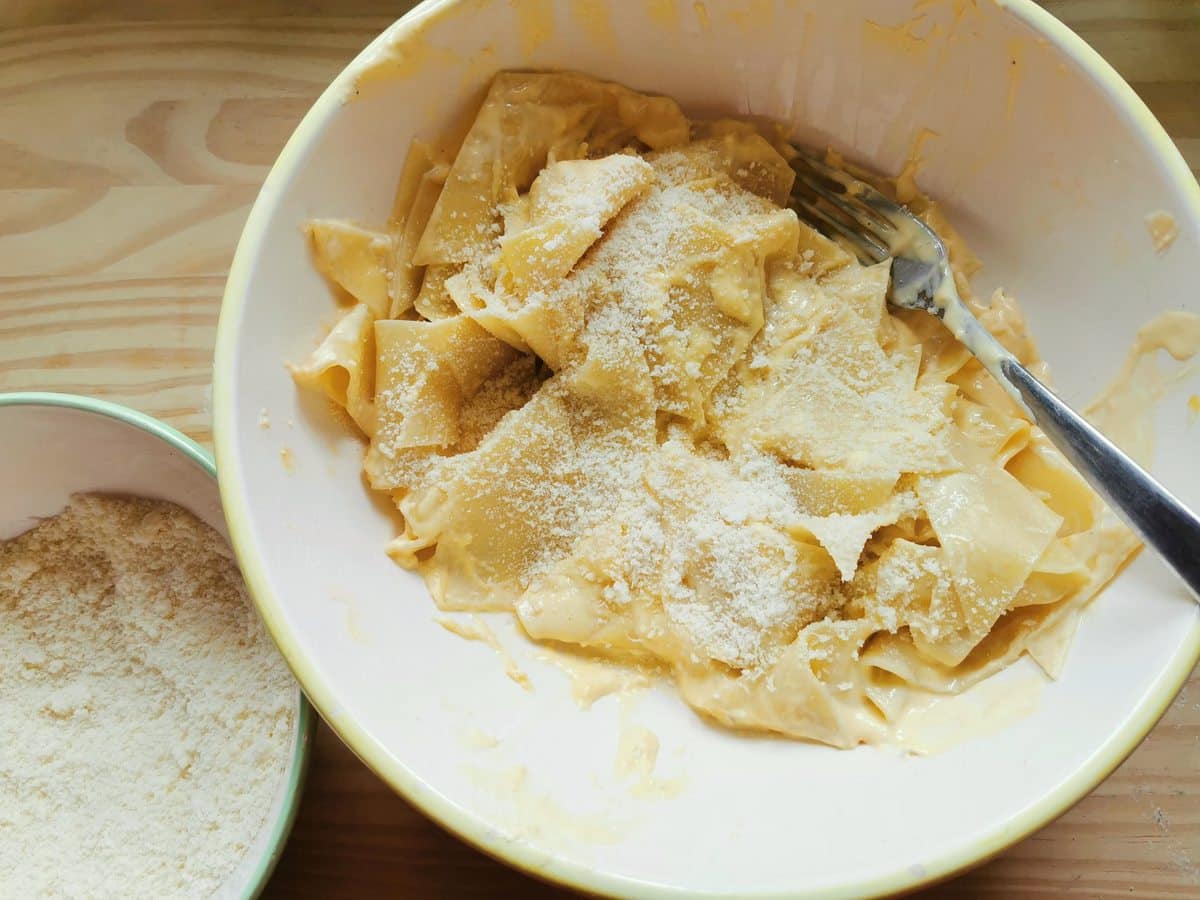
<point x="134" y="137"/>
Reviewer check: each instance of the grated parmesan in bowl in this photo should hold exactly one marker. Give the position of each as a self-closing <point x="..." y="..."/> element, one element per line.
<point x="152" y="739"/>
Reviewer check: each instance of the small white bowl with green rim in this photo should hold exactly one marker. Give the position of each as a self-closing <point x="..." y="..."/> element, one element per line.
<point x="56" y="445"/>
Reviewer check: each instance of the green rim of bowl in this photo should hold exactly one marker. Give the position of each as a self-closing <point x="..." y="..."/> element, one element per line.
<point x="306" y="716"/>
<point x="471" y="828"/>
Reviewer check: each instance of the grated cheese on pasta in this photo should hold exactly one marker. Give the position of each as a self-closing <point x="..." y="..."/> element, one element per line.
<point x="641" y="405"/>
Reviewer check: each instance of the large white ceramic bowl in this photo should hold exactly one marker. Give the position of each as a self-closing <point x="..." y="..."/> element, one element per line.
<point x="1046" y="159"/>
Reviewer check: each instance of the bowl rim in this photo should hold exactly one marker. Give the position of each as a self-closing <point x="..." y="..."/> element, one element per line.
<point x="550" y="866"/>
<point x="306" y="721"/>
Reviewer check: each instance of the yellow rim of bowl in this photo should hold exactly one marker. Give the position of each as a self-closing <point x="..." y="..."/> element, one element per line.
<point x="476" y="831"/>
<point x="305" y="718"/>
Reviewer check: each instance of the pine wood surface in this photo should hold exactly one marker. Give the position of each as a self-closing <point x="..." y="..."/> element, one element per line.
<point x="133" y="137"/>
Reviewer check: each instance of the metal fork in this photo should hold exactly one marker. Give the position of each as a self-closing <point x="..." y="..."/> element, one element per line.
<point x="877" y="228"/>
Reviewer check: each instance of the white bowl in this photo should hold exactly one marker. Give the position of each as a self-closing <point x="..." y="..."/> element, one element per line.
<point x="56" y="445"/>
<point x="1046" y="159"/>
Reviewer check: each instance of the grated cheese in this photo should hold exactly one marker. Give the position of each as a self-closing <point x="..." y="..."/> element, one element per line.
<point x="147" y="717"/>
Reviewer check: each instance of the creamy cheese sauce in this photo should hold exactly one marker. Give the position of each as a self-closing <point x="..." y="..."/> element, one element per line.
<point x="474" y="628"/>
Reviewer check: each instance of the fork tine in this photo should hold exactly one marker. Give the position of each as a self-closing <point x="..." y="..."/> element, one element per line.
<point x="844" y="191"/>
<point x="865" y="248"/>
<point x="845" y="215"/>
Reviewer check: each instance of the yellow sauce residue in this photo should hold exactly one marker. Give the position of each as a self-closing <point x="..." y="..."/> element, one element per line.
<point x="921" y="30"/>
<point x="1163" y="230"/>
<point x="702" y="16"/>
<point x="1074" y="191"/>
<point x="1124" y="410"/>
<point x="637" y="753"/>
<point x="906" y="181"/>
<point x="410" y="52"/>
<point x="475" y="629"/>
<point x="752" y="13"/>
<point x="354" y="628"/>
<point x="663" y="13"/>
<point x="901" y="39"/>
<point x="637" y="756"/>
<point x="939" y="723"/>
<point x="535" y="23"/>
<point x="477" y="739"/>
<point x="485" y="62"/>
<point x="593" y="18"/>
<point x="537" y="817"/>
<point x="1176" y="332"/>
<point x="804" y="44"/>
<point x="288" y="459"/>
<point x="1016" y="70"/>
<point x="400" y="61"/>
<point x="1193" y="408"/>
<point x="264" y="419"/>
<point x="593" y="677"/>
<point x="958" y="8"/>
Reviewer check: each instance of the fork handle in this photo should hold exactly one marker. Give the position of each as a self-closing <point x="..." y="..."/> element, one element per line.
<point x="1147" y="507"/>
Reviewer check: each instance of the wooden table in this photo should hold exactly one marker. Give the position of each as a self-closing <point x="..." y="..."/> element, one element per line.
<point x="133" y="137"/>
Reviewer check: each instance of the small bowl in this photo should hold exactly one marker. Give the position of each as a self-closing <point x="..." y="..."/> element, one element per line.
<point x="1048" y="163"/>
<point x="55" y="445"/>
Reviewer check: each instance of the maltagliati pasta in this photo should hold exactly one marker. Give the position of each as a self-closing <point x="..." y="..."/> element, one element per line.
<point x="615" y="386"/>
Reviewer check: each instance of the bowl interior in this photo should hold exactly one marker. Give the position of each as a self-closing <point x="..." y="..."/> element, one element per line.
<point x="1046" y="163"/>
<point x="48" y="453"/>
